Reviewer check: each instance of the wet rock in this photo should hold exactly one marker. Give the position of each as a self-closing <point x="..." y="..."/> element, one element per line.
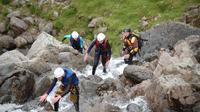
<point x="133" y="108"/>
<point x="111" y="108"/>
<point x="139" y="104"/>
<point x="137" y="73"/>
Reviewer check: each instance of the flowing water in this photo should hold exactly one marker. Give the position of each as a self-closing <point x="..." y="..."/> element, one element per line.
<point x="114" y="69"/>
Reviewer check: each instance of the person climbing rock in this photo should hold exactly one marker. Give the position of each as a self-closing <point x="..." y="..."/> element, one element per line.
<point x="76" y="41"/>
<point x="130" y="45"/>
<point x="69" y="83"/>
<point x="102" y="49"/>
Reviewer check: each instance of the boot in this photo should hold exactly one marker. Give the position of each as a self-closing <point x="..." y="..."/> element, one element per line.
<point x="104" y="70"/>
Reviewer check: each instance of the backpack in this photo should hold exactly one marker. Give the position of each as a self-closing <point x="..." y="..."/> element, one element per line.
<point x="140" y="41"/>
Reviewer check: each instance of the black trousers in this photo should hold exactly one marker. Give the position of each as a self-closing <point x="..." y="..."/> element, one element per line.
<point x="96" y="61"/>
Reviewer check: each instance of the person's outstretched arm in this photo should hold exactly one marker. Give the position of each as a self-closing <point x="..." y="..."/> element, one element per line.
<point x="66" y="37"/>
<point x="91" y="46"/>
<point x="52" y="85"/>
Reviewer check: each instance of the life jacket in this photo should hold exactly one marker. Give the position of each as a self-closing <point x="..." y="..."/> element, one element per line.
<point x="68" y="74"/>
<point x="75" y="44"/>
<point x="104" y="45"/>
<point x="129" y="44"/>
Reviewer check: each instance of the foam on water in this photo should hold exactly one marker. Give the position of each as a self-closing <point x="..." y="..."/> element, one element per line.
<point x="114" y="69"/>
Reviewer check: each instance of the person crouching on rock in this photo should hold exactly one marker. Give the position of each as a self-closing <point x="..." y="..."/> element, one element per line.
<point x="130" y="45"/>
<point x="69" y="83"/>
<point x="102" y="49"/>
<point x="76" y="41"/>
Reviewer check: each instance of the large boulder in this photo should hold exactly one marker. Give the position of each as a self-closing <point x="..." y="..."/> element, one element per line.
<point x="194" y="43"/>
<point x="178" y="63"/>
<point x="42" y="86"/>
<point x="170" y="92"/>
<point x="9" y="62"/>
<point x="71" y="60"/>
<point x="88" y="86"/>
<point x="166" y="35"/>
<point x="18" y="86"/>
<point x="36" y="65"/>
<point x="7" y="42"/>
<point x="137" y="73"/>
<point x="18" y="25"/>
<point x="46" y="47"/>
<point x="13" y="56"/>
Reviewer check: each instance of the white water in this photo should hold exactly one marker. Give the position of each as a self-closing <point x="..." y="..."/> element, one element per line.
<point x="114" y="69"/>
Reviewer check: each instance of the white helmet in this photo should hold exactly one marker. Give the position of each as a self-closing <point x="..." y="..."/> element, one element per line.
<point x="101" y="37"/>
<point x="75" y="34"/>
<point x="59" y="72"/>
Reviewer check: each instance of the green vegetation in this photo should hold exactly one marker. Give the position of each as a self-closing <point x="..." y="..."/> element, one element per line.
<point x="117" y="15"/>
<point x="5" y="2"/>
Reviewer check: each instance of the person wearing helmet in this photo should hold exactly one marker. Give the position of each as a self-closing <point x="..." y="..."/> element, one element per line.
<point x="76" y="41"/>
<point x="102" y="49"/>
<point x="130" y="45"/>
<point x="69" y="83"/>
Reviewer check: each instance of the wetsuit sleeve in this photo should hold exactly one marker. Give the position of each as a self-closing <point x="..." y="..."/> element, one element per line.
<point x="91" y="46"/>
<point x="66" y="37"/>
<point x="52" y="85"/>
<point x="109" y="50"/>
<point x="67" y="87"/>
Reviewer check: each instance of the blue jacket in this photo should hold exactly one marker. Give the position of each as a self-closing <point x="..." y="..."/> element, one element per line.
<point x="81" y="42"/>
<point x="69" y="79"/>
